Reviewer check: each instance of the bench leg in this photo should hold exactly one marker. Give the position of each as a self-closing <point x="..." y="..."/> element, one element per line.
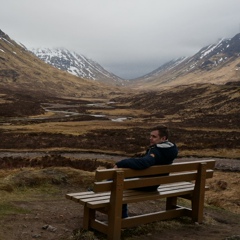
<point x="114" y="231"/>
<point x="115" y="210"/>
<point x="199" y="192"/>
<point x="197" y="210"/>
<point x="88" y="215"/>
<point x="171" y="203"/>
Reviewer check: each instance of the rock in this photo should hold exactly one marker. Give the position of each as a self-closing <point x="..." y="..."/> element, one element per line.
<point x="49" y="228"/>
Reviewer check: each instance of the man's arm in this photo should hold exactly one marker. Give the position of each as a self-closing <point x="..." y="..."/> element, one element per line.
<point x="137" y="163"/>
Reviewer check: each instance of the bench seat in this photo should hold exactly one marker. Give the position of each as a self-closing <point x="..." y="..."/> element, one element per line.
<point x="100" y="200"/>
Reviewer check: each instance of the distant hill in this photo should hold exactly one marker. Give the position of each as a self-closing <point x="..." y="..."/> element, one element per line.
<point x="22" y="71"/>
<point x="217" y="63"/>
<point x="77" y="65"/>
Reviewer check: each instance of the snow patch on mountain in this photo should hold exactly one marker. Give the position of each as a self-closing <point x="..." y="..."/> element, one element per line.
<point x="76" y="64"/>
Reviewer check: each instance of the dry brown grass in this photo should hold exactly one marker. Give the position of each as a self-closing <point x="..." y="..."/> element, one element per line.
<point x="26" y="183"/>
<point x="224" y="191"/>
<point x="217" y="153"/>
<point x="73" y="128"/>
<point x="119" y="112"/>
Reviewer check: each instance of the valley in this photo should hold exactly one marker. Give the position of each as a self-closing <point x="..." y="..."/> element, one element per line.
<point x="56" y="129"/>
<point x="203" y="122"/>
<point x="51" y="146"/>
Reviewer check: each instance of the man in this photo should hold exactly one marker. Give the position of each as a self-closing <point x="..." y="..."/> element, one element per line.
<point x="160" y="152"/>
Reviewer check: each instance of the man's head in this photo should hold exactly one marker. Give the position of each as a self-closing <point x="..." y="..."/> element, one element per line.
<point x="158" y="134"/>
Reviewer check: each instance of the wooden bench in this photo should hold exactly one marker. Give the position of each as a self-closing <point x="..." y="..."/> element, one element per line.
<point x="113" y="187"/>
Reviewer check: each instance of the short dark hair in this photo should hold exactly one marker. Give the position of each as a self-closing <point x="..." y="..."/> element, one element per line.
<point x="162" y="130"/>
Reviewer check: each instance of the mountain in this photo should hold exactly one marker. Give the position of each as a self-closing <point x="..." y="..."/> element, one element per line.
<point x="22" y="71"/>
<point x="77" y="65"/>
<point x="217" y="63"/>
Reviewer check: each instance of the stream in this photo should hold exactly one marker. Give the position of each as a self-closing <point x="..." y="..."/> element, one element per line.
<point x="53" y="109"/>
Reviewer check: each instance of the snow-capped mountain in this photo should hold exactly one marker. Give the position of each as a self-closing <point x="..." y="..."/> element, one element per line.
<point x="76" y="64"/>
<point x="22" y="72"/>
<point x="165" y="68"/>
<point x="216" y="63"/>
<point x="215" y="55"/>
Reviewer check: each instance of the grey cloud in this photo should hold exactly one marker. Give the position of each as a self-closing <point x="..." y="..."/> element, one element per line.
<point x="128" y="38"/>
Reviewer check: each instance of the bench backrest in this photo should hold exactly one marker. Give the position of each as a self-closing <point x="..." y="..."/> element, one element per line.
<point x="108" y="179"/>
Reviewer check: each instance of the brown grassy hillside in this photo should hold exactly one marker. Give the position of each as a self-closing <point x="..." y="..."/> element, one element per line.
<point x="23" y="72"/>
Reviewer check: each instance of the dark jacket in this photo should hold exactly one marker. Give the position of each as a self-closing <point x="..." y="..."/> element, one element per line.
<point x="164" y="153"/>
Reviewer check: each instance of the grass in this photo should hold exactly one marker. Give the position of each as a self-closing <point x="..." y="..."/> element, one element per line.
<point x="7" y="208"/>
<point x="11" y="191"/>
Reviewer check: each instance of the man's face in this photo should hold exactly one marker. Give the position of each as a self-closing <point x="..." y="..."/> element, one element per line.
<point x="155" y="138"/>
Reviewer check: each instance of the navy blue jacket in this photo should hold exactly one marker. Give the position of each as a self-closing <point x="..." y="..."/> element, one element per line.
<point x="164" y="153"/>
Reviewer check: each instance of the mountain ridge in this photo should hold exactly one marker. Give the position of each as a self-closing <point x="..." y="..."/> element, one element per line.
<point x="217" y="63"/>
<point x="76" y="64"/>
<point x="20" y="69"/>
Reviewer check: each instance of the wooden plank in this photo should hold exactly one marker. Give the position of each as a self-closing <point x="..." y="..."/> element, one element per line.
<point x="104" y="186"/>
<point x="164" y="187"/>
<point x="152" y="217"/>
<point x="99" y="226"/>
<point x="79" y="193"/>
<point x="175" y="167"/>
<point x="152" y="181"/>
<point x="72" y="195"/>
<point x="95" y="199"/>
<point x="100" y="204"/>
<point x="174" y="184"/>
<point x="104" y="174"/>
<point x="157" y="195"/>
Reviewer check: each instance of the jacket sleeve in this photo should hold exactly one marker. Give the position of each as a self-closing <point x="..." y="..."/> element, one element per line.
<point x="137" y="163"/>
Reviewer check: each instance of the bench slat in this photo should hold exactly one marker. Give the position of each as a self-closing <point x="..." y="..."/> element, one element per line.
<point x="152" y="217"/>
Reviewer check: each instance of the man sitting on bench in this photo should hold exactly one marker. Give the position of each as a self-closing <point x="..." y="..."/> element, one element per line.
<point x="160" y="152"/>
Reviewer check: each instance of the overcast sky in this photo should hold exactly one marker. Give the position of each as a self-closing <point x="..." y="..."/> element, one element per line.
<point x="129" y="38"/>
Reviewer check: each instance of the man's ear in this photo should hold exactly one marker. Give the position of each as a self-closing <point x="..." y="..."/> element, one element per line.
<point x="164" y="138"/>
